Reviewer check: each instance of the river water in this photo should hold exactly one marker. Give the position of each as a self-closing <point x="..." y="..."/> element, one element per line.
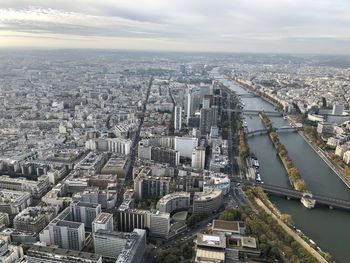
<point x="330" y="229"/>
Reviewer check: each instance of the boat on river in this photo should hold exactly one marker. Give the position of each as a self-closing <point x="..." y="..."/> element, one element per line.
<point x="307" y="200"/>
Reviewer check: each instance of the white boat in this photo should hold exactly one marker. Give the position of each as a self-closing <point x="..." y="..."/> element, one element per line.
<point x="307" y="200"/>
<point x="258" y="178"/>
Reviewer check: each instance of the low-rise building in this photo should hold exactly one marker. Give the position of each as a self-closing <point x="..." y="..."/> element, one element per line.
<point x="4" y="220"/>
<point x="13" y="202"/>
<point x="116" y="166"/>
<point x="34" y="219"/>
<point x="50" y="254"/>
<point x="35" y="188"/>
<point x="9" y="253"/>
<point x="210" y="248"/>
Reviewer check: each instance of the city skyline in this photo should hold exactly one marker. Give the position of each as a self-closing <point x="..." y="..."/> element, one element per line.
<point x="224" y="26"/>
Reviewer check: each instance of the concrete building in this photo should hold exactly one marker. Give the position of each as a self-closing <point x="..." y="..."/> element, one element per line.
<point x="338" y="109"/>
<point x="64" y="234"/>
<point x="35" y="188"/>
<point x="40" y="254"/>
<point x="178" y="118"/>
<point x="116" y="166"/>
<point x="112" y="244"/>
<point x="4" y="220"/>
<point x="146" y="186"/>
<point x="198" y="158"/>
<point x="85" y="212"/>
<point x="207" y="202"/>
<point x="34" y="219"/>
<point x="157" y="222"/>
<point x="228" y="227"/>
<point x="185" y="145"/>
<point x="325" y="127"/>
<point x="134" y="250"/>
<point x="92" y="163"/>
<point x="144" y="150"/>
<point x="103" y="221"/>
<point x="218" y="181"/>
<point x="106" y="198"/>
<point x="9" y="253"/>
<point x="114" y="145"/>
<point x="165" y="155"/>
<point x="346" y="157"/>
<point x="210" y="248"/>
<point x="13" y="202"/>
<point x="173" y="202"/>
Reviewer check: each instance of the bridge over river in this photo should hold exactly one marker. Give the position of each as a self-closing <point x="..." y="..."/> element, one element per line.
<point x="265" y="131"/>
<point x="331" y="202"/>
<point x="256" y="112"/>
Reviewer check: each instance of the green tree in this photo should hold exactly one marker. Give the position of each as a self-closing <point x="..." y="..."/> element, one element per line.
<point x="299" y="185"/>
<point x="170" y="258"/>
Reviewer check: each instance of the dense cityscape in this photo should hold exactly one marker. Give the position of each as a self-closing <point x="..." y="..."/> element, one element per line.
<point x="109" y="156"/>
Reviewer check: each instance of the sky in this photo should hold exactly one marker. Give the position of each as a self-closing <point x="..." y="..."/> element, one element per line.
<point x="274" y="26"/>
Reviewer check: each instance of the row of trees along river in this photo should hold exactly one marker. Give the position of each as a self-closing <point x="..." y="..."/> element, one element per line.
<point x="328" y="228"/>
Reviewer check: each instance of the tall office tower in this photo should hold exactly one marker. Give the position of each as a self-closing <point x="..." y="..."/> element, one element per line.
<point x="85" y="212"/>
<point x="207" y="101"/>
<point x="338" y="109"/>
<point x="178" y="118"/>
<point x="198" y="158"/>
<point x="206" y="120"/>
<point x="64" y="234"/>
<point x="103" y="221"/>
<point x="188" y="104"/>
<point x="185" y="145"/>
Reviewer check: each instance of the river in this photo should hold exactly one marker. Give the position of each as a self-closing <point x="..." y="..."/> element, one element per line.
<point x="330" y="229"/>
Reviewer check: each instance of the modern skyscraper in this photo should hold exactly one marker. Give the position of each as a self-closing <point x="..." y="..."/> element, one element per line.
<point x="198" y="158"/>
<point x="178" y="118"/>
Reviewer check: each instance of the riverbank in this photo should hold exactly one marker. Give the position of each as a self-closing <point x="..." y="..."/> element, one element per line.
<point x="259" y="199"/>
<point x="318" y="150"/>
<point x="326" y="159"/>
<point x="291" y="233"/>
<point x="264" y="96"/>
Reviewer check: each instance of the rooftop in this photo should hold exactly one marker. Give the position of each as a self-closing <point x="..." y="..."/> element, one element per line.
<point x="102" y="218"/>
<point x="61" y="253"/>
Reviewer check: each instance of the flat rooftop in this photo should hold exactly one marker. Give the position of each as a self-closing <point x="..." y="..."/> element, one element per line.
<point x="225" y="226"/>
<point x="102" y="218"/>
<point x="35" y="249"/>
<point x="215" y="241"/>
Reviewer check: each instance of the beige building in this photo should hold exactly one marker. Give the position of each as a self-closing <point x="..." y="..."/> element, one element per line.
<point x="210" y="248"/>
<point x="173" y="202"/>
<point x="346" y="157"/>
<point x="207" y="202"/>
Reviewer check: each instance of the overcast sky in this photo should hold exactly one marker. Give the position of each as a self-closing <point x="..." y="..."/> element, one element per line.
<point x="292" y="26"/>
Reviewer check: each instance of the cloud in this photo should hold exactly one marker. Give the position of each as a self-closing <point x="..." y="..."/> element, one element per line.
<point x="222" y="25"/>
